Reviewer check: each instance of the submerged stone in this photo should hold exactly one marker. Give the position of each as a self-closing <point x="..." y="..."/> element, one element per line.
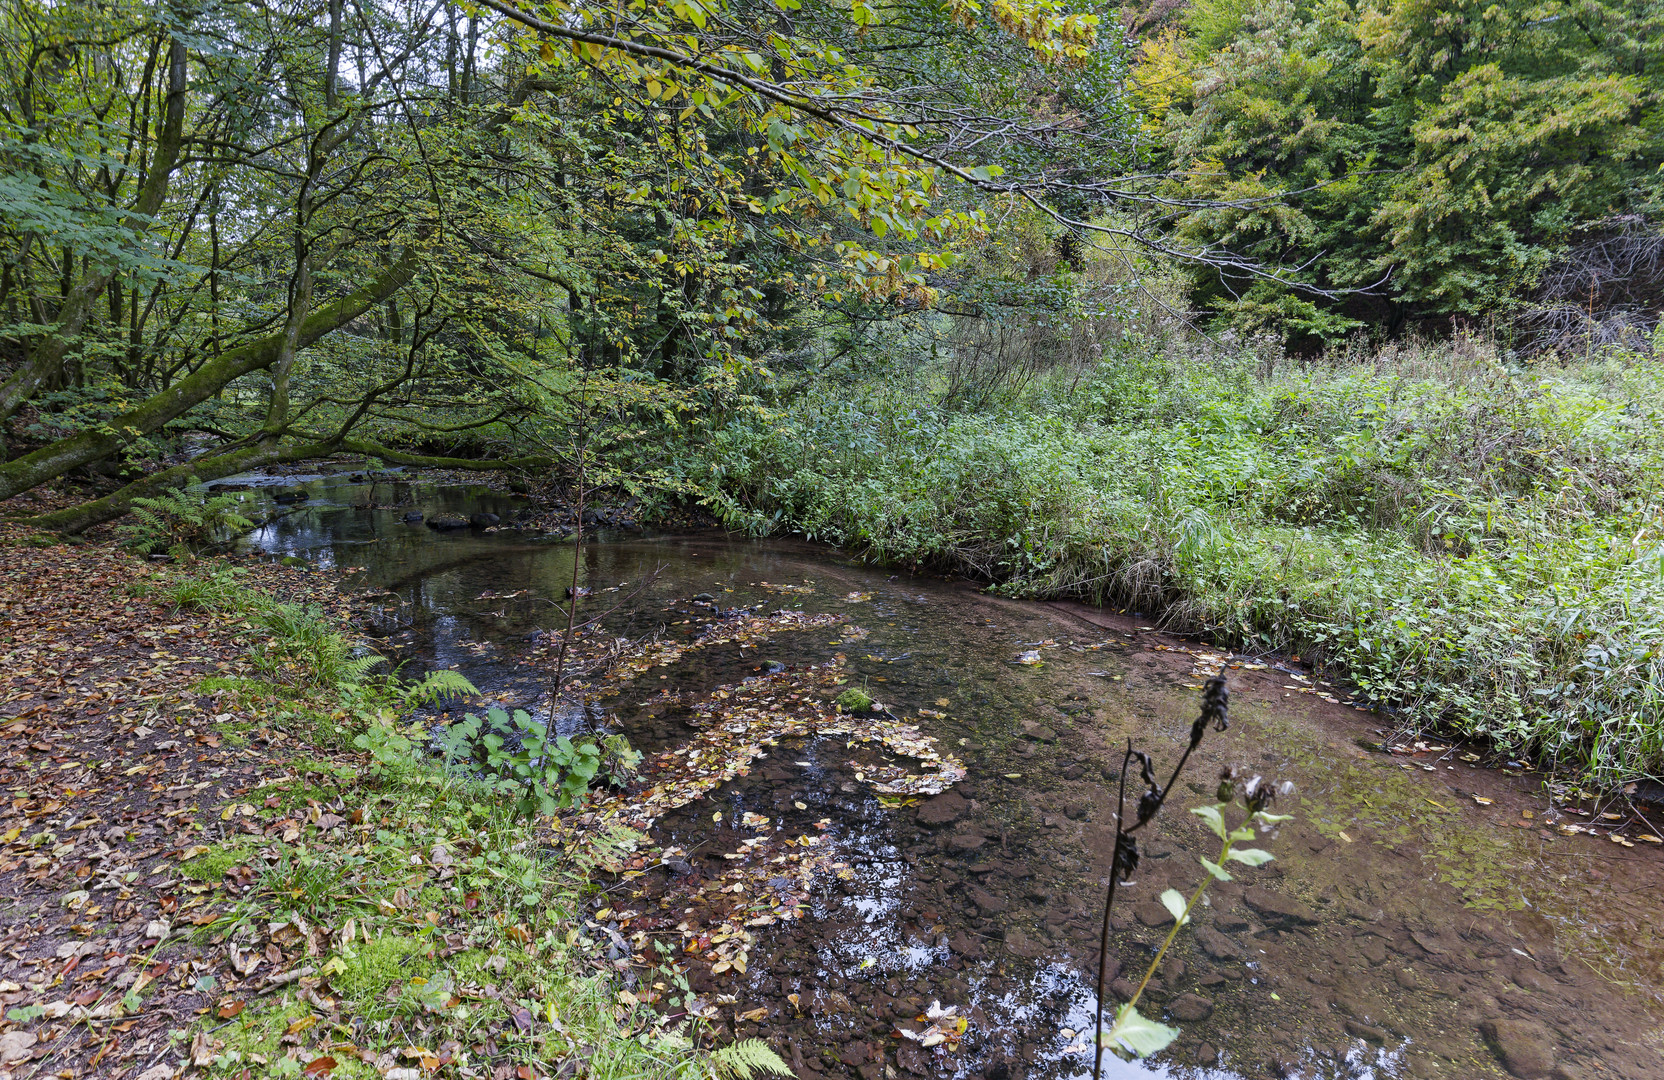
<point x="1526" y="1049"/>
<point x="1279" y="907"/>
<point x="944" y="809"/>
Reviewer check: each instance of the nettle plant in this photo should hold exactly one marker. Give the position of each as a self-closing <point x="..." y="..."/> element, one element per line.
<point x="1133" y="1034"/>
<point x="515" y="755"/>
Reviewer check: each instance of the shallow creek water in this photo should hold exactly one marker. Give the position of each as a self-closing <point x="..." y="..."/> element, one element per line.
<point x="1399" y="917"/>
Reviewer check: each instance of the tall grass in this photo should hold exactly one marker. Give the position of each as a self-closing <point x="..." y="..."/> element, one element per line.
<point x="1478" y="549"/>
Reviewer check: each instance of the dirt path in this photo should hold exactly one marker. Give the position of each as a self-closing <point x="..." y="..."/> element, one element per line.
<point x="115" y="770"/>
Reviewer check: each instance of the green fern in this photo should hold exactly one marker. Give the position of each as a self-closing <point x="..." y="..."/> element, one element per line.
<point x="175" y="519"/>
<point x="354" y="670"/>
<point x="743" y="1058"/>
<point x="437" y="686"/>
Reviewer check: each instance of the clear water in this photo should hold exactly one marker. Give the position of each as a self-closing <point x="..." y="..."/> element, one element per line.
<point x="1429" y="912"/>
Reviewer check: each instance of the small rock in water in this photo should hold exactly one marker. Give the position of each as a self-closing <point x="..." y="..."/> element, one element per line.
<point x="1151" y="913"/>
<point x="1366" y="1031"/>
<point x="1021" y="944"/>
<point x="944" y="809"/>
<point x="912" y="1058"/>
<point x="1217" y="945"/>
<point x="1526" y="1049"/>
<point x="413" y="516"/>
<point x="854" y="700"/>
<point x="447" y="521"/>
<point x="966" y="841"/>
<point x="1190" y="1008"/>
<point x="481" y="521"/>
<point x="1279" y="907"/>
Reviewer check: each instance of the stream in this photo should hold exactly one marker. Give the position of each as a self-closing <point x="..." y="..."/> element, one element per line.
<point x="1423" y="917"/>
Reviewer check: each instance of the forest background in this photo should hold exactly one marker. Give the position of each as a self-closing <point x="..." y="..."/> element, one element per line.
<point x="1329" y="328"/>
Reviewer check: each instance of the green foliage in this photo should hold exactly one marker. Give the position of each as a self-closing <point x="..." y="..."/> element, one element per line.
<point x="1474" y="548"/>
<point x="177" y="520"/>
<point x="1443" y="152"/>
<point x="305" y="882"/>
<point x="304" y="642"/>
<point x="746" y="1057"/>
<point x="854" y="700"/>
<point x="1133" y="1034"/>
<point x="515" y="756"/>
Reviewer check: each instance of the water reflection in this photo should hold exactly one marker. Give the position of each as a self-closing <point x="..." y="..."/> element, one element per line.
<point x="1394" y="921"/>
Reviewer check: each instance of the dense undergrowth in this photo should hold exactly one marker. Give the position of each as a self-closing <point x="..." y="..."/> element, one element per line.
<point x="1476" y="547"/>
<point x="444" y="928"/>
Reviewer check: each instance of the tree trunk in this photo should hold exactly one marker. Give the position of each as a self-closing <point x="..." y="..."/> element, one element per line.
<point x="47" y="357"/>
<point x="94" y="444"/>
<point x="75" y="519"/>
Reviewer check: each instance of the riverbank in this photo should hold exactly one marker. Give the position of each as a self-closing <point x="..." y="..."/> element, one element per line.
<point x="202" y="874"/>
<point x="1477" y="549"/>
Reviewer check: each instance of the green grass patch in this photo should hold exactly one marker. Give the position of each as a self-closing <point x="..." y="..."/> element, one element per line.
<point x="1476" y="548"/>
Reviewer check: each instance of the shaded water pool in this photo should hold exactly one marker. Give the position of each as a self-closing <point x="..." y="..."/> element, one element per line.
<point x="1405" y="929"/>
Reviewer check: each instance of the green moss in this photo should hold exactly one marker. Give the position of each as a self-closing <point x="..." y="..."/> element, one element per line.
<point x="211" y="866"/>
<point x="255" y="1040"/>
<point x="854" y="700"/>
<point x="382" y="963"/>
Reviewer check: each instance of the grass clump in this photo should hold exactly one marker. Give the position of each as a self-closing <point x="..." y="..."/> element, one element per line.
<point x="854" y="700"/>
<point x="1477" y="548"/>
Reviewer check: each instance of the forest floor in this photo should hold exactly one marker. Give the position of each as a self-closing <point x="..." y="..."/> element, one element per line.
<point x="110" y="758"/>
<point x="188" y="833"/>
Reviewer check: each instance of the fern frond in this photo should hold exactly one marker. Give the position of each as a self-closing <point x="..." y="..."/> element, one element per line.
<point x="437" y="686"/>
<point x="742" y="1058"/>
<point x="354" y="669"/>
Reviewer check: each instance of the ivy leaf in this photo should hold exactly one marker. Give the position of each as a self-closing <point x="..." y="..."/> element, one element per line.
<point x="1138" y="1034"/>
